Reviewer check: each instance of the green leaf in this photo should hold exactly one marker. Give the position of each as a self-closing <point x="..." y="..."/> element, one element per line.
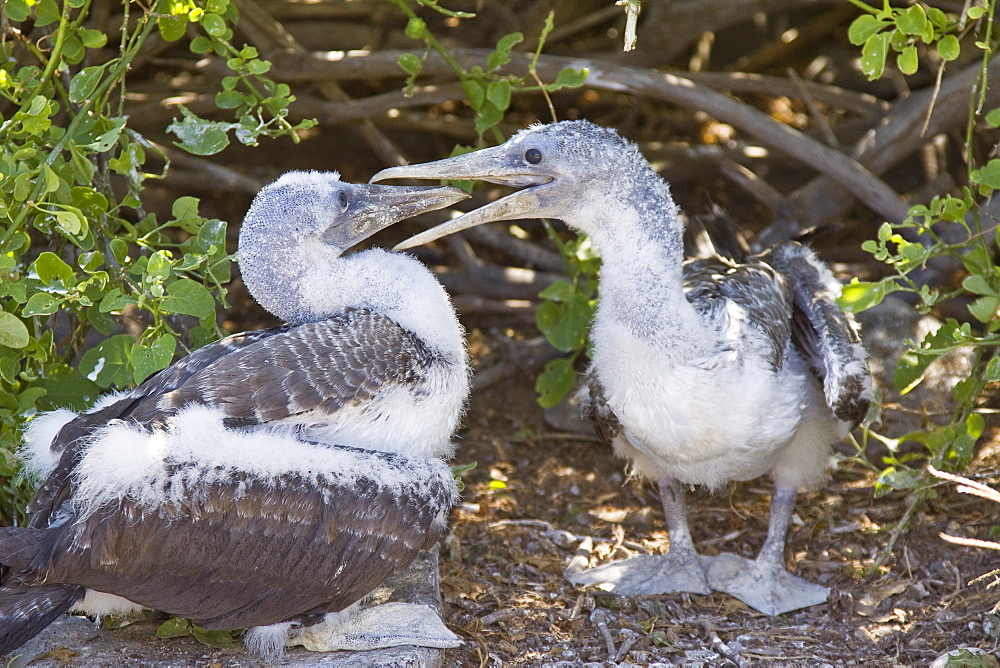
<point x="976" y="12"/>
<point x="863" y="27"/>
<point x="858" y="296"/>
<point x="46" y="12"/>
<point x="158" y="268"/>
<point x="566" y="325"/>
<point x="873" y="55"/>
<point x="92" y="39"/>
<point x="555" y="381"/>
<point x="498" y="92"/>
<point x="228" y="99"/>
<point x="937" y="17"/>
<point x="50" y="268"/>
<point x="82" y="86"/>
<point x="474" y="92"/>
<point x="979" y="285"/>
<point x="119" y="249"/>
<point x="949" y="48"/>
<point x="907" y="60"/>
<point x="912" y="20"/>
<point x="65" y="387"/>
<point x="71" y="220"/>
<point x="17" y="10"/>
<point x="26" y="401"/>
<point x="410" y="64"/>
<point x="176" y="627"/>
<point x="41" y="303"/>
<point x="199" y="136"/>
<point x="200" y="44"/>
<point x="11" y="366"/>
<point x="911" y="366"/>
<point x="984" y="309"/>
<point x="897" y="479"/>
<point x="992" y="372"/>
<point x="569" y="78"/>
<point x="216" y="639"/>
<point x="214" y="25"/>
<point x="189" y="298"/>
<point x="147" y="360"/>
<point x="212" y="233"/>
<point x="559" y="291"/>
<point x="100" y="320"/>
<point x="488" y="116"/>
<point x="107" y="363"/>
<point x="109" y="138"/>
<point x="501" y="55"/>
<point x="988" y="175"/>
<point x="258" y="67"/>
<point x="13" y="333"/>
<point x="993" y="118"/>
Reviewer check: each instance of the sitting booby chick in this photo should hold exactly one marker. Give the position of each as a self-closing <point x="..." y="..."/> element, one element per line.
<point x="702" y="372"/>
<point x="274" y="476"/>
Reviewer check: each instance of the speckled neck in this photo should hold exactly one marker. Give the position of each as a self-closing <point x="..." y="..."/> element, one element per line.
<point x="640" y="239"/>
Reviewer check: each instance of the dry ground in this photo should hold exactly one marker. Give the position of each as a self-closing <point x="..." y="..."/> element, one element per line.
<point x="536" y="492"/>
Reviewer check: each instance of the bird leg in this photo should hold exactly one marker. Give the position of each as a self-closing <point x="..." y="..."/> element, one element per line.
<point x="764" y="584"/>
<point x="678" y="570"/>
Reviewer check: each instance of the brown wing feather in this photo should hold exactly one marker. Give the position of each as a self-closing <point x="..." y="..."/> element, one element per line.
<point x="319" y="366"/>
<point x="827" y="337"/>
<point x="256" y="377"/>
<point x="245" y="552"/>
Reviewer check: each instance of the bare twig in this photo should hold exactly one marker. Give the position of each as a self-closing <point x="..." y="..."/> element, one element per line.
<point x="722" y="648"/>
<point x="818" y="118"/>
<point x="262" y="25"/>
<point x="848" y="173"/>
<point x="600" y="620"/>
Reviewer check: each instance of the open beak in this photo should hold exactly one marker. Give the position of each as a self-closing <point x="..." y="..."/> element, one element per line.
<point x="493" y="165"/>
<point x="383" y="205"/>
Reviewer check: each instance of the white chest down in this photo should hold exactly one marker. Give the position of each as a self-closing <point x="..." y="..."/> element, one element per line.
<point x="709" y="421"/>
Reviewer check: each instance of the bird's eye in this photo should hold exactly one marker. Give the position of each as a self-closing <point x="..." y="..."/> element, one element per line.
<point x="343" y="200"/>
<point x="533" y="156"/>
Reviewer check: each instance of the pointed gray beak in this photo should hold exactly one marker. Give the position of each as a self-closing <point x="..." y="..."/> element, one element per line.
<point x="491" y="164"/>
<point x="384" y="205"/>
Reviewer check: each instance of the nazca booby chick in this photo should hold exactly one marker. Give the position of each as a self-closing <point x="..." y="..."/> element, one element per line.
<point x="274" y="476"/>
<point x="702" y="372"/>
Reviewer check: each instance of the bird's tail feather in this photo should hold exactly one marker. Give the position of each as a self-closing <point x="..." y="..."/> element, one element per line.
<point x="27" y="609"/>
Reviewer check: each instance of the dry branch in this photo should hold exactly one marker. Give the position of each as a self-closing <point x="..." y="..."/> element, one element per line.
<point x="864" y="185"/>
<point x="899" y="135"/>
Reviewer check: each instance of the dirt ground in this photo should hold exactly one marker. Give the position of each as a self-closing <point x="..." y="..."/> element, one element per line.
<point x="536" y="492"/>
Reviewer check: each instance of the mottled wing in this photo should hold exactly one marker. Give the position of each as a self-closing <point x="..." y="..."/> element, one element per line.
<point x="826" y="336"/>
<point x="233" y="551"/>
<point x="597" y="410"/>
<point x="72" y="437"/>
<point x="747" y="303"/>
<point x="315" y="368"/>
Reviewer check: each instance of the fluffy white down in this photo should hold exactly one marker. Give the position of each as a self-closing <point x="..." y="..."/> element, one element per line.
<point x="394" y="284"/>
<point x="36" y="453"/>
<point x="100" y="605"/>
<point x="125" y="460"/>
<point x="703" y="426"/>
<point x="415" y="424"/>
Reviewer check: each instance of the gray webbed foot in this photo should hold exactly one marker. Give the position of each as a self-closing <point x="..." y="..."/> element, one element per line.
<point x="647" y="575"/>
<point x="386" y="625"/>
<point x="763" y="585"/>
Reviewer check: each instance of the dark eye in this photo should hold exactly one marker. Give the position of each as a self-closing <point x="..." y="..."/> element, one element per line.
<point x="533" y="156"/>
<point x="343" y="200"/>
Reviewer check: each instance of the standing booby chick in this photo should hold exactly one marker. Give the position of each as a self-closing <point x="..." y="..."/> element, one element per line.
<point x="702" y="372"/>
<point x="274" y="476"/>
